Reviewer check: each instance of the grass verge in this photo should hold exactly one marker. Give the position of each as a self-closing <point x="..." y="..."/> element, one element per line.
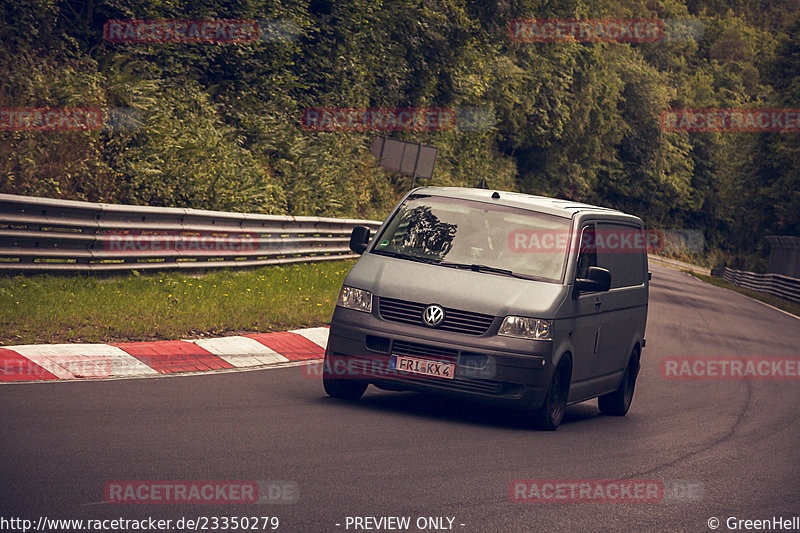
<point x="169" y="305"/>
<point x="789" y="307"/>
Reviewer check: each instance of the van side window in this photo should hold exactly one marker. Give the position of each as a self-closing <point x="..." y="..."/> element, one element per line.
<point x="621" y="249"/>
<point x="588" y="251"/>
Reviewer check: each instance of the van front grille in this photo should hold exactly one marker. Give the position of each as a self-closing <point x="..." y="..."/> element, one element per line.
<point x="482" y="386"/>
<point x="426" y="351"/>
<point x="455" y="320"/>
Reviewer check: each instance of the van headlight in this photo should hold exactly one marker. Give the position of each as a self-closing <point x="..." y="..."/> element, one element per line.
<point x="357" y="299"/>
<point x="526" y="328"/>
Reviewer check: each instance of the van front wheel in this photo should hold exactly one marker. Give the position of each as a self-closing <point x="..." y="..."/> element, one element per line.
<point x="618" y="402"/>
<point x="341" y="387"/>
<point x="551" y="413"/>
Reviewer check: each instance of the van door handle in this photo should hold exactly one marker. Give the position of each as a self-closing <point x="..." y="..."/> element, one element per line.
<point x="597" y="302"/>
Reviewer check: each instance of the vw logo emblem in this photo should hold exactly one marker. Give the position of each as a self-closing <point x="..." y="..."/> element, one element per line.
<point x="433" y="315"/>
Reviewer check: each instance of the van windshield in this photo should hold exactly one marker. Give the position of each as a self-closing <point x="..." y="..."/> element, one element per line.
<point x="478" y="236"/>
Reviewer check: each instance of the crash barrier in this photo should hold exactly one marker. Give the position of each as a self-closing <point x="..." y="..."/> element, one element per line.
<point x="674" y="263"/>
<point x="49" y="235"/>
<point x="775" y="284"/>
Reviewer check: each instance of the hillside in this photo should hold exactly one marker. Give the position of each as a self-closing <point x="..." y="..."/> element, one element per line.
<point x="217" y="125"/>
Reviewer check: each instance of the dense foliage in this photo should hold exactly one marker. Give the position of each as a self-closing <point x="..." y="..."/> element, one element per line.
<point x="218" y="124"/>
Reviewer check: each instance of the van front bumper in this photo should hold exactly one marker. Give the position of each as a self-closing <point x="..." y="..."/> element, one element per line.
<point x="489" y="368"/>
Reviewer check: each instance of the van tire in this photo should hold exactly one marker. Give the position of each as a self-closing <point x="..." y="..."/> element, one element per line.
<point x="618" y="402"/>
<point x="341" y="388"/>
<point x="551" y="413"/>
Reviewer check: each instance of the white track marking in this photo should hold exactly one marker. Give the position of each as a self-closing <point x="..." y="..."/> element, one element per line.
<point x="241" y="351"/>
<point x="318" y="336"/>
<point x="70" y="361"/>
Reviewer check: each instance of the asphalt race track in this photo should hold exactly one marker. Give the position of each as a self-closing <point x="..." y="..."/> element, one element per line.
<point x="407" y="454"/>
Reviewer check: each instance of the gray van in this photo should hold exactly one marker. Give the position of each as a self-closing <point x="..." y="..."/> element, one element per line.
<point x="511" y="299"/>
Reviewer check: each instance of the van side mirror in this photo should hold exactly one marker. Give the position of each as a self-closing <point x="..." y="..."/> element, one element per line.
<point x="597" y="279"/>
<point x="359" y="239"/>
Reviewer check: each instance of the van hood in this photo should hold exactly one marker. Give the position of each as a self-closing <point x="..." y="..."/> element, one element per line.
<point x="479" y="292"/>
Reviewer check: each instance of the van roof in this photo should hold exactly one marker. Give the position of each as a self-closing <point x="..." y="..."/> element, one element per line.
<point x="544" y="204"/>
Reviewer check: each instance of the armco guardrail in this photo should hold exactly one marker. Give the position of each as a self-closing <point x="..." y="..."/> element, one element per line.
<point x="674" y="263"/>
<point x="48" y="235"/>
<point x="776" y="284"/>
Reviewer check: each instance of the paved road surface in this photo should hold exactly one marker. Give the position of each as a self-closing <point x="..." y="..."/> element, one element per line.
<point x="406" y="454"/>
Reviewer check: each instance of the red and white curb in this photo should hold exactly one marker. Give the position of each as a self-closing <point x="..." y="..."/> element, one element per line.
<point x="38" y="362"/>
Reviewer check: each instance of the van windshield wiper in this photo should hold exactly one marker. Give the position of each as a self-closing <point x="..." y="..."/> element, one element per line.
<point x="464" y="266"/>
<point x="491" y="269"/>
<point x="477" y="268"/>
<point x="416" y="258"/>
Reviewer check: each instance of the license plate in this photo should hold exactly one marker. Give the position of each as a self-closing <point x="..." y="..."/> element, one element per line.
<point x="425" y="367"/>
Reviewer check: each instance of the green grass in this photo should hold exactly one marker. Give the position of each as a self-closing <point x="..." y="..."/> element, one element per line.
<point x="170" y="305"/>
<point x="789" y="307"/>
